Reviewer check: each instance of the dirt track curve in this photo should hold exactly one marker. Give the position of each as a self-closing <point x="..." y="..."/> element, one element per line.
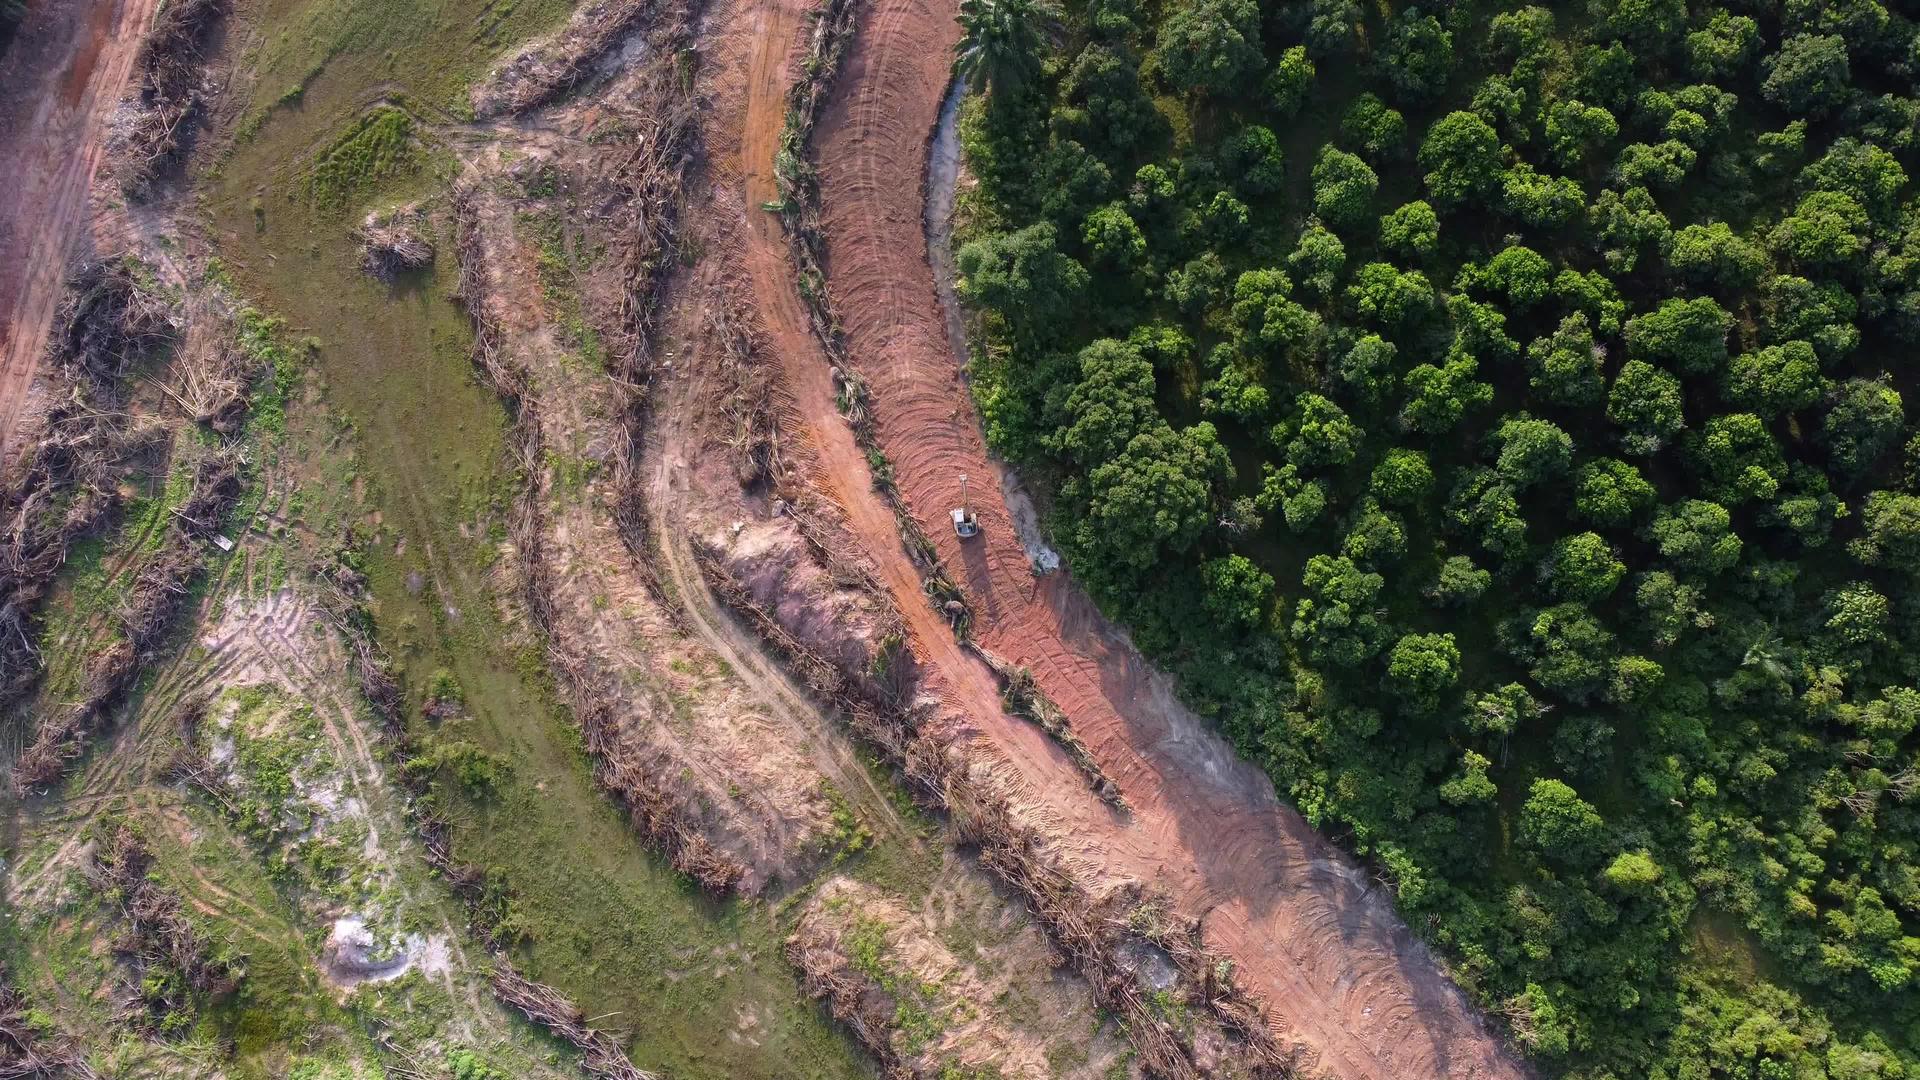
<point x="1340" y="976"/>
<point x="59" y="84"/>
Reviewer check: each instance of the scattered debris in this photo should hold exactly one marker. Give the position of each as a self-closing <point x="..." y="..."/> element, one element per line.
<point x="1023" y="697"/>
<point x="546" y="69"/>
<point x="601" y="1055"/>
<point x="24" y="1053"/>
<point x="150" y="127"/>
<point x="169" y="959"/>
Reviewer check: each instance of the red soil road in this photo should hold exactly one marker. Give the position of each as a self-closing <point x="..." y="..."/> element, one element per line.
<point x="59" y="85"/>
<point x="1312" y="939"/>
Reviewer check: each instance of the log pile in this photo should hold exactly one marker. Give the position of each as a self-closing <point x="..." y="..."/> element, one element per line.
<point x="601" y="1055"/>
<point x="392" y="243"/>
<point x="1024" y="698"/>
<point x="151" y="126"/>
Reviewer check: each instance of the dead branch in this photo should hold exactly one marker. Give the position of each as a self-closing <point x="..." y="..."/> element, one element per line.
<point x="150" y="128"/>
<point x="546" y="69"/>
<point x="601" y="1054"/>
<point x="392" y="243"/>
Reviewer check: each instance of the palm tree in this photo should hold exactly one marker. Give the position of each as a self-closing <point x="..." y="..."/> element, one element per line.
<point x="1002" y="42"/>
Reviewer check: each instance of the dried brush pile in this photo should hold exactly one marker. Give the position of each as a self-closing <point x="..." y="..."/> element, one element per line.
<point x="169" y="959"/>
<point x="1024" y="698"/>
<point x="24" y="1054"/>
<point x="546" y="69"/>
<point x="600" y="1052"/>
<point x="826" y="975"/>
<point x="392" y="243"/>
<point x="151" y="125"/>
<point x="145" y="616"/>
<point x="64" y="482"/>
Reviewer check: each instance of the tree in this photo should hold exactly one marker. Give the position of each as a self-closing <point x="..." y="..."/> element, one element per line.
<point x="1378" y="132"/>
<point x="1650" y="26"/>
<point x="1023" y="276"/>
<point x="1418" y="56"/>
<point x="1634" y="873"/>
<point x="1689" y="336"/>
<point x="1583" y="746"/>
<point x="1470" y="785"/>
<point x="1113" y="239"/>
<point x="1696" y="536"/>
<point x="1560" y="825"/>
<point x="1251" y="159"/>
<point x="1777" y="379"/>
<point x="1723" y="47"/>
<point x="1334" y="620"/>
<point x="1568" y="650"/>
<point x="1658" y="165"/>
<point x="1541" y="200"/>
<point x="1863" y="423"/>
<point x="1808" y="76"/>
<point x="1827" y="230"/>
<point x="1462" y="157"/>
<point x="1412" y="230"/>
<point x="1821" y="315"/>
<point x="1483" y="507"/>
<point x="1890" y="522"/>
<point x="1670" y="607"/>
<point x="1712" y="254"/>
<point x="1439" y="396"/>
<point x="1575" y="130"/>
<point x="1625" y="225"/>
<point x="1300" y="501"/>
<point x="1317" y="259"/>
<point x="1270" y="321"/>
<point x="1366" y="369"/>
<point x="1154" y="498"/>
<point x="1531" y="451"/>
<point x="1001" y="43"/>
<point x="1422" y="667"/>
<point x="1374" y="537"/>
<point x="1857" y="619"/>
<point x="1647" y="404"/>
<point x="1343" y="187"/>
<point x="1520" y="272"/>
<point x="1105" y="106"/>
<point x="1210" y="46"/>
<point x="1610" y="493"/>
<point x="1459" y="582"/>
<point x="1112" y="403"/>
<point x="1403" y="478"/>
<point x="1737" y="460"/>
<point x="1583" y="567"/>
<point x="1289" y="82"/>
<point x="1567" y="368"/>
<point x="1385" y="296"/>
<point x="1317" y="433"/>
<point x="1239" y="593"/>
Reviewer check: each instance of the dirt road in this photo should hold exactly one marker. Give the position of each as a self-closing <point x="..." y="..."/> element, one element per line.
<point x="59" y="85"/>
<point x="1311" y="937"/>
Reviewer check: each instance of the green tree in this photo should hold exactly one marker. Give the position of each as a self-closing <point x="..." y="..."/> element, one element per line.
<point x="1239" y="593"/>
<point x="1576" y="131"/>
<point x="1001" y="43"/>
<point x="1422" y="667"/>
<point x="1438" y="396"/>
<point x="1583" y="567"/>
<point x="1648" y="405"/>
<point x="1864" y="422"/>
<point x="1650" y="26"/>
<point x="1567" y="364"/>
<point x="1483" y="506"/>
<point x="1890" y="522"/>
<point x="1270" y="321"/>
<point x="1343" y="187"/>
<point x="1737" y="460"/>
<point x="1712" y="254"/>
<point x="1153" y="499"/>
<point x="1251" y="159"/>
<point x="1634" y="873"/>
<point x="1317" y="260"/>
<point x="1210" y="46"/>
<point x="1366" y="369"/>
<point x="1462" y="157"/>
<point x="1290" y="81"/>
<point x="1610" y="493"/>
<point x="1412" y="230"/>
<point x="1670" y="607"/>
<point x="1568" y="651"/>
<point x="1113" y="239"/>
<point x="1471" y="785"/>
<point x="1539" y="199"/>
<point x="1378" y="132"/>
<point x="1808" y="76"/>
<point x="1460" y="582"/>
<point x="1317" y="433"/>
<point x="1418" y="56"/>
<point x="1402" y="478"/>
<point x="1777" y="379"/>
<point x="1522" y="274"/>
<point x="1334" y="619"/>
<point x="1723" y="47"/>
<point x="1827" y="230"/>
<point x="1385" y="296"/>
<point x="1112" y="403"/>
<point x="1560" y="825"/>
<point x="1689" y="336"/>
<point x="1531" y="451"/>
<point x="1696" y="536"/>
<point x="1023" y="276"/>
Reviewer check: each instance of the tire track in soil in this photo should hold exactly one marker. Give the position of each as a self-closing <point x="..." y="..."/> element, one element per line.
<point x="1312" y="939"/>
<point x="59" y="86"/>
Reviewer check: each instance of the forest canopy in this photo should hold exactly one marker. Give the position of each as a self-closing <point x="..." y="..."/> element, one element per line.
<point x="1495" y="415"/>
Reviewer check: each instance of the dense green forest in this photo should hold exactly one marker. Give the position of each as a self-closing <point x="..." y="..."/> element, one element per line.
<point x="1496" y="416"/>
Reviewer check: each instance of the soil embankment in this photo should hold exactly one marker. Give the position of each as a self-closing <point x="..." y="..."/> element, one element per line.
<point x="1341" y="978"/>
<point x="59" y="86"/>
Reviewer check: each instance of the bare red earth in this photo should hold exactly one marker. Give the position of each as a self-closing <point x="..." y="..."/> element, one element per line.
<point x="59" y="85"/>
<point x="1339" y="975"/>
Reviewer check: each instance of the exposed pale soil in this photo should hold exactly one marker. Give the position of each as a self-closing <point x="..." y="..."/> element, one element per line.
<point x="59" y="86"/>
